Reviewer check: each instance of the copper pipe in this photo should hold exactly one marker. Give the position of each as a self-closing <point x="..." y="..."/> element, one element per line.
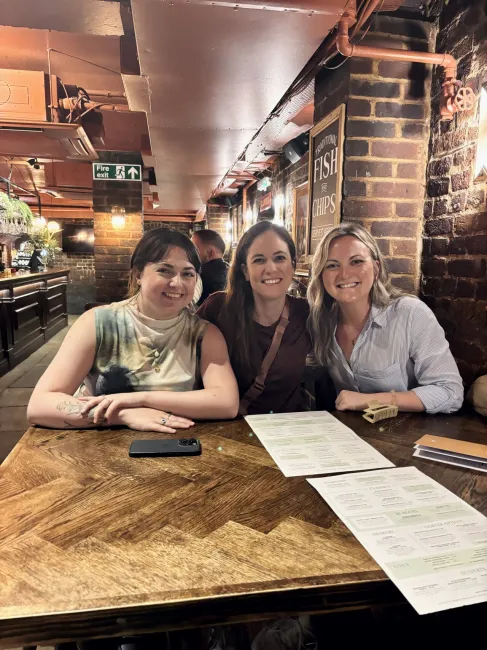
<point x="367" y="11"/>
<point x="388" y="54"/>
<point x="105" y="93"/>
<point x="106" y="107"/>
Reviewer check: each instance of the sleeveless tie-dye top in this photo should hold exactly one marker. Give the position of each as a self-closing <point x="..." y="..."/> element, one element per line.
<point x="136" y="353"/>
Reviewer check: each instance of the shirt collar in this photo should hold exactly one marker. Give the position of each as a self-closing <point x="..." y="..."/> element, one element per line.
<point x="378" y="315"/>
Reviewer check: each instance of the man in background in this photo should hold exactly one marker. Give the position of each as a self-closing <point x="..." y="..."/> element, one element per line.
<point x="211" y="248"/>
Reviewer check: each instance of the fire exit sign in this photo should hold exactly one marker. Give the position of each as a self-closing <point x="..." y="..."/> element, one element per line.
<point x="111" y="172"/>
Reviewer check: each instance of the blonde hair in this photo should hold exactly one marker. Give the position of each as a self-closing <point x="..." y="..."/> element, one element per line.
<point x="322" y="305"/>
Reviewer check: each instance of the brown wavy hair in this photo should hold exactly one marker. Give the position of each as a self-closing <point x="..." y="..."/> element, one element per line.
<point x="154" y="247"/>
<point x="239" y="300"/>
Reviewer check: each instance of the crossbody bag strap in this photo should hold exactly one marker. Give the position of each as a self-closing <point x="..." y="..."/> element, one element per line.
<point x="259" y="383"/>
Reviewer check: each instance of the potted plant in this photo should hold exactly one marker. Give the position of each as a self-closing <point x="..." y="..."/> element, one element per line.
<point x="16" y="218"/>
<point x="44" y="239"/>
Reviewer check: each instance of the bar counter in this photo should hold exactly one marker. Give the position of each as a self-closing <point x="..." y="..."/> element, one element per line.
<point x="32" y="310"/>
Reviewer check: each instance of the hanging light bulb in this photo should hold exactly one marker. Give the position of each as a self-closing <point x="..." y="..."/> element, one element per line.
<point x="39" y="222"/>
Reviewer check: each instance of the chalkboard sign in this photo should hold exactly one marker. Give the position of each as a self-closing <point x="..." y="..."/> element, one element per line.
<point x="325" y="176"/>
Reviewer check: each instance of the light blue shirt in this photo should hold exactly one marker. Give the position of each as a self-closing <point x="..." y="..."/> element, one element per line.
<point x="401" y="347"/>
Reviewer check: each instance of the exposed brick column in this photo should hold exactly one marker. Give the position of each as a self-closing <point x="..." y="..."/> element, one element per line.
<point x="113" y="248"/>
<point x="386" y="143"/>
<point x="455" y="245"/>
<point x="217" y="217"/>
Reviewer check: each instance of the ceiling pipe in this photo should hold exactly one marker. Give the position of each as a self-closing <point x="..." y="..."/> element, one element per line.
<point x="367" y="11"/>
<point x="346" y="48"/>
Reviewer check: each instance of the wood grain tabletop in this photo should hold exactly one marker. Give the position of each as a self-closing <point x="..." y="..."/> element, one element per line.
<point x="94" y="543"/>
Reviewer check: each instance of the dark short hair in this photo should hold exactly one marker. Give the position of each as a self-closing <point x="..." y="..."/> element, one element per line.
<point x="154" y="247"/>
<point x="211" y="237"/>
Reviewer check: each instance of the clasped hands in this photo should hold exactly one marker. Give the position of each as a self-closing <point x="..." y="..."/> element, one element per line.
<point x="129" y="409"/>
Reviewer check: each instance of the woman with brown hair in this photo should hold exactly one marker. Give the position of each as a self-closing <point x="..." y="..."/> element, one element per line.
<point x="265" y="329"/>
<point x="148" y="362"/>
<point x="378" y="344"/>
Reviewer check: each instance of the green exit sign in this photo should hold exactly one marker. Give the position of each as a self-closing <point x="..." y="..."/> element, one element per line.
<point x="111" y="172"/>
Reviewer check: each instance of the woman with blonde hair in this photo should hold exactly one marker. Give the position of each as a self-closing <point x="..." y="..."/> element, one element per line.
<point x="148" y="362"/>
<point x="378" y="344"/>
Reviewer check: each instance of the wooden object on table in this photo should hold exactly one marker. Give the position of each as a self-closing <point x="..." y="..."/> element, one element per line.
<point x="33" y="309"/>
<point x="94" y="543"/>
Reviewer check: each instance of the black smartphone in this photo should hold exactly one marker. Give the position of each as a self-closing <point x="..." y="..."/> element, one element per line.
<point x="181" y="447"/>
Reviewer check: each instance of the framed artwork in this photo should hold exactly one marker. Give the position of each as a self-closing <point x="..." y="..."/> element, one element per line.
<point x="300" y="219"/>
<point x="325" y="176"/>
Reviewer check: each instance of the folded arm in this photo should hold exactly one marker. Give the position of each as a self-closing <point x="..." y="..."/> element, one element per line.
<point x="440" y="386"/>
<point x="52" y="403"/>
<point x="218" y="399"/>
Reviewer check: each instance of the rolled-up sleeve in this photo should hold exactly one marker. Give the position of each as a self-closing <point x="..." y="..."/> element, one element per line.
<point x="440" y="384"/>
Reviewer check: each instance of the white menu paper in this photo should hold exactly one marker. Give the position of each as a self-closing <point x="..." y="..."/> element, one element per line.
<point x="312" y="443"/>
<point x="431" y="544"/>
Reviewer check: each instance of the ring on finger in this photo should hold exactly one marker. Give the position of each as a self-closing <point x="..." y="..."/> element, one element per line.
<point x="163" y="421"/>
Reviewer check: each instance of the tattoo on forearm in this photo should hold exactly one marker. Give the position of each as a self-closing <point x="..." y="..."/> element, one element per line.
<point x="74" y="408"/>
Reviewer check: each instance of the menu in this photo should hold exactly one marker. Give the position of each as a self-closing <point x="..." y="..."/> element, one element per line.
<point x="430" y="543"/>
<point x="312" y="443"/>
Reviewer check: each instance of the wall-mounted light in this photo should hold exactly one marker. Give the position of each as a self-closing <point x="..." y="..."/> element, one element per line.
<point x="228" y="236"/>
<point x="278" y="210"/>
<point x="248" y="219"/>
<point x="53" y="226"/>
<point x="481" y="160"/>
<point x="118" y="217"/>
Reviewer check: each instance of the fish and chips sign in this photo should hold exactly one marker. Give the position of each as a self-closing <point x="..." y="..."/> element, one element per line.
<point x="325" y="174"/>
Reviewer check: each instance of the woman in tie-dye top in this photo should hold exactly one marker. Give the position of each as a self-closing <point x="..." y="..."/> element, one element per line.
<point x="148" y="362"/>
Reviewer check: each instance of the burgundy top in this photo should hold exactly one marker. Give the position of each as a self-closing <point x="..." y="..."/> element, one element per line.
<point x="282" y="392"/>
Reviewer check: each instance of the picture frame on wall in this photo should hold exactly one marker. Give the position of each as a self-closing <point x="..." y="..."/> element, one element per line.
<point x="300" y="229"/>
<point x="325" y="176"/>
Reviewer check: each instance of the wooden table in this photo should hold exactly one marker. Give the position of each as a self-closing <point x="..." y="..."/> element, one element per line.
<point x="94" y="543"/>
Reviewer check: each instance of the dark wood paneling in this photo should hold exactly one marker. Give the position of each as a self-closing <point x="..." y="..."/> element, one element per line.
<point x="32" y="309"/>
<point x="56" y="310"/>
<point x="27" y="325"/>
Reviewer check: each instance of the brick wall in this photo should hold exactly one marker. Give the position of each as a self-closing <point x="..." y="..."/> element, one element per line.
<point x="113" y="248"/>
<point x="386" y="142"/>
<point x="185" y="227"/>
<point x="217" y="217"/>
<point x="82" y="289"/>
<point x="454" y="261"/>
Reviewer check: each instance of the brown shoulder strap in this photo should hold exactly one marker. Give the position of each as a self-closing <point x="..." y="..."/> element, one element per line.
<point x="259" y="384"/>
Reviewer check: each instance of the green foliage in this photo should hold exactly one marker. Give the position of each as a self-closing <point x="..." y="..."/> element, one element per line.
<point x="23" y="209"/>
<point x="14" y="210"/>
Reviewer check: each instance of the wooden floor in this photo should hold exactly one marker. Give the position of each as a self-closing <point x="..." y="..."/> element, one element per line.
<point x="16" y="388"/>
